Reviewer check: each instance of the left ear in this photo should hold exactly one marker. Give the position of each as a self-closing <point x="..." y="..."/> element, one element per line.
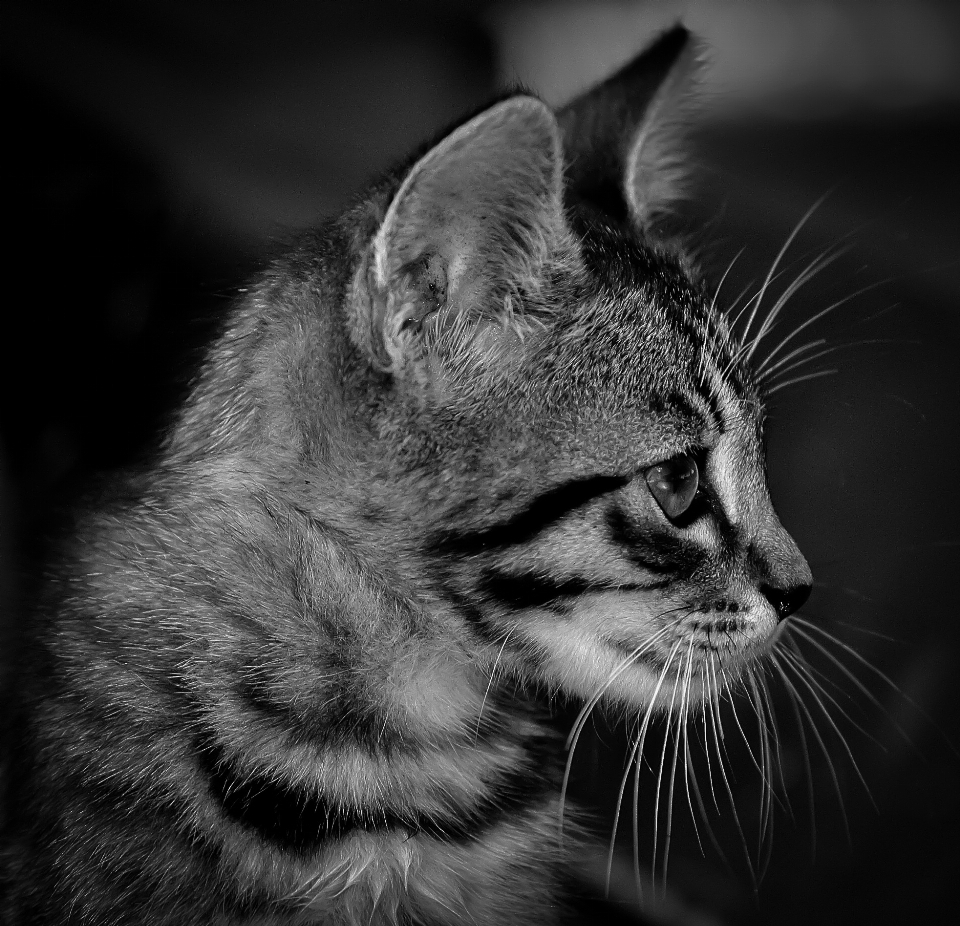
<point x="621" y="138"/>
<point x="474" y="223"/>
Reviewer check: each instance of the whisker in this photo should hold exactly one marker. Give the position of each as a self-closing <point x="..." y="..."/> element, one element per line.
<point x="816" y="266"/>
<point x="711" y="312"/>
<point x="770" y="707"/>
<point x="581" y="721"/>
<point x="746" y="739"/>
<point x="767" y="372"/>
<point x="804" y="749"/>
<point x="659" y="789"/>
<point x="708" y="708"/>
<point x="815" y="318"/>
<point x="627" y="662"/>
<point x="779" y="795"/>
<point x="693" y="783"/>
<point x="680" y="721"/>
<point x="799" y="379"/>
<point x="710" y="697"/>
<point x="493" y="672"/>
<point x="892" y="685"/>
<point x="886" y="637"/>
<point x="743" y="308"/>
<point x="821" y="680"/>
<point x="799" y="622"/>
<point x="634" y="758"/>
<point x="766" y="786"/>
<point x="689" y="771"/>
<point x="773" y="267"/>
<point x="721" y="752"/>
<point x="804" y="676"/>
<point x="723" y="279"/>
<point x="803" y="628"/>
<point x="768" y="383"/>
<point x="802" y="706"/>
<point x="889" y="682"/>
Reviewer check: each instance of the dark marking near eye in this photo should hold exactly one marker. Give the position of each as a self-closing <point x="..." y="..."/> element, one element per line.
<point x="543" y="511"/>
<point x="303" y="820"/>
<point x="653" y="548"/>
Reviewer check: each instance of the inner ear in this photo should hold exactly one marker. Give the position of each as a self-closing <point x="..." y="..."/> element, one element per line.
<point x="423" y="284"/>
<point x="400" y="312"/>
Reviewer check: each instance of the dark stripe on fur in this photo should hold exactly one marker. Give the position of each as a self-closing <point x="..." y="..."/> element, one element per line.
<point x="543" y="511"/>
<point x="302" y="821"/>
<point x="529" y="590"/>
<point x="472" y="615"/>
<point x="713" y="402"/>
<point x="654" y="550"/>
<point x="678" y="404"/>
<point x="346" y="715"/>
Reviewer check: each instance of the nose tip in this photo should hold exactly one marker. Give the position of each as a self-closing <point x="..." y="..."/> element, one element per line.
<point x="787" y="600"/>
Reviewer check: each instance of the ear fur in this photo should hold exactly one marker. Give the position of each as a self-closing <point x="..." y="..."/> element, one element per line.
<point x="621" y="138"/>
<point x="469" y="229"/>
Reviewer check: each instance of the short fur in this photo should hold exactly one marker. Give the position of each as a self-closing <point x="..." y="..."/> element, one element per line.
<point x="291" y="672"/>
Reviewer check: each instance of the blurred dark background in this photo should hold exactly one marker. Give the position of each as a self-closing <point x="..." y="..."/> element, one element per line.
<point x="156" y="150"/>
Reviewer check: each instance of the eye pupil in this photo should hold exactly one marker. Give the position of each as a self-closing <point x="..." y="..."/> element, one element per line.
<point x="674" y="484"/>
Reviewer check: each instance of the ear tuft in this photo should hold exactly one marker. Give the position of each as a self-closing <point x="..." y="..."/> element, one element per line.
<point x="622" y="138"/>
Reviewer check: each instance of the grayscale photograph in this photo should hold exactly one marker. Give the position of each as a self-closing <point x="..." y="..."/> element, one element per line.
<point x="480" y="463"/>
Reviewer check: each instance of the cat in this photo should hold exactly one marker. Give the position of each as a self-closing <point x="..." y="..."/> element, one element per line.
<point x="482" y="437"/>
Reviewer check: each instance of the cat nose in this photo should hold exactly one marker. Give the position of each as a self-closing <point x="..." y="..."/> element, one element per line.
<point x="787" y="600"/>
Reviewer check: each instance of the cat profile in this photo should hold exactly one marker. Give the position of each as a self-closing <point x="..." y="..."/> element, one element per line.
<point x="482" y="437"/>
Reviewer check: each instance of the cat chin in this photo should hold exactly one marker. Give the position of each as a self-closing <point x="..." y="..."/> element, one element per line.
<point x="640" y="686"/>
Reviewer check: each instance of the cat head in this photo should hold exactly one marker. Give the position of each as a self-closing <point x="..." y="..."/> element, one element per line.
<point x="562" y="423"/>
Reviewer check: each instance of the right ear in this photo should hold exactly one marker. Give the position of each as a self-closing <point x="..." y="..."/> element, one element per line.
<point x="465" y="236"/>
<point x="622" y="138"/>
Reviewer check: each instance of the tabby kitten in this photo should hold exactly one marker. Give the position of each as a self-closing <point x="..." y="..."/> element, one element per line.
<point x="480" y="437"/>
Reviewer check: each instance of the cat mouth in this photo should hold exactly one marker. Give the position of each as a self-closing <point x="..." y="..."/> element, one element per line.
<point x="725" y="638"/>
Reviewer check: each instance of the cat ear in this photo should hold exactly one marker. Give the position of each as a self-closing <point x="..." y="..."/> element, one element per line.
<point x="621" y="138"/>
<point x="470" y="227"/>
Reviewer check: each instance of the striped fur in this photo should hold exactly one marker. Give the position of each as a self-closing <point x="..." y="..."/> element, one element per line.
<point x="292" y="671"/>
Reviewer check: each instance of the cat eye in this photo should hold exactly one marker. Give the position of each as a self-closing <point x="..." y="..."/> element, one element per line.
<point x="674" y="484"/>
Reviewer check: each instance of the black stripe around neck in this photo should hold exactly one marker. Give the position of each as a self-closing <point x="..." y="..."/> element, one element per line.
<point x="303" y="821"/>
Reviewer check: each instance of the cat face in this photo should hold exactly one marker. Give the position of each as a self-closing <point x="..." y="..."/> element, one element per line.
<point x="678" y="560"/>
<point x="564" y="413"/>
<point x="613" y="528"/>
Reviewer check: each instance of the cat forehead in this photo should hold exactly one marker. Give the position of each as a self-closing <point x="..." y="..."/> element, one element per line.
<point x="642" y="357"/>
<point x="642" y="326"/>
<point x="645" y="292"/>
